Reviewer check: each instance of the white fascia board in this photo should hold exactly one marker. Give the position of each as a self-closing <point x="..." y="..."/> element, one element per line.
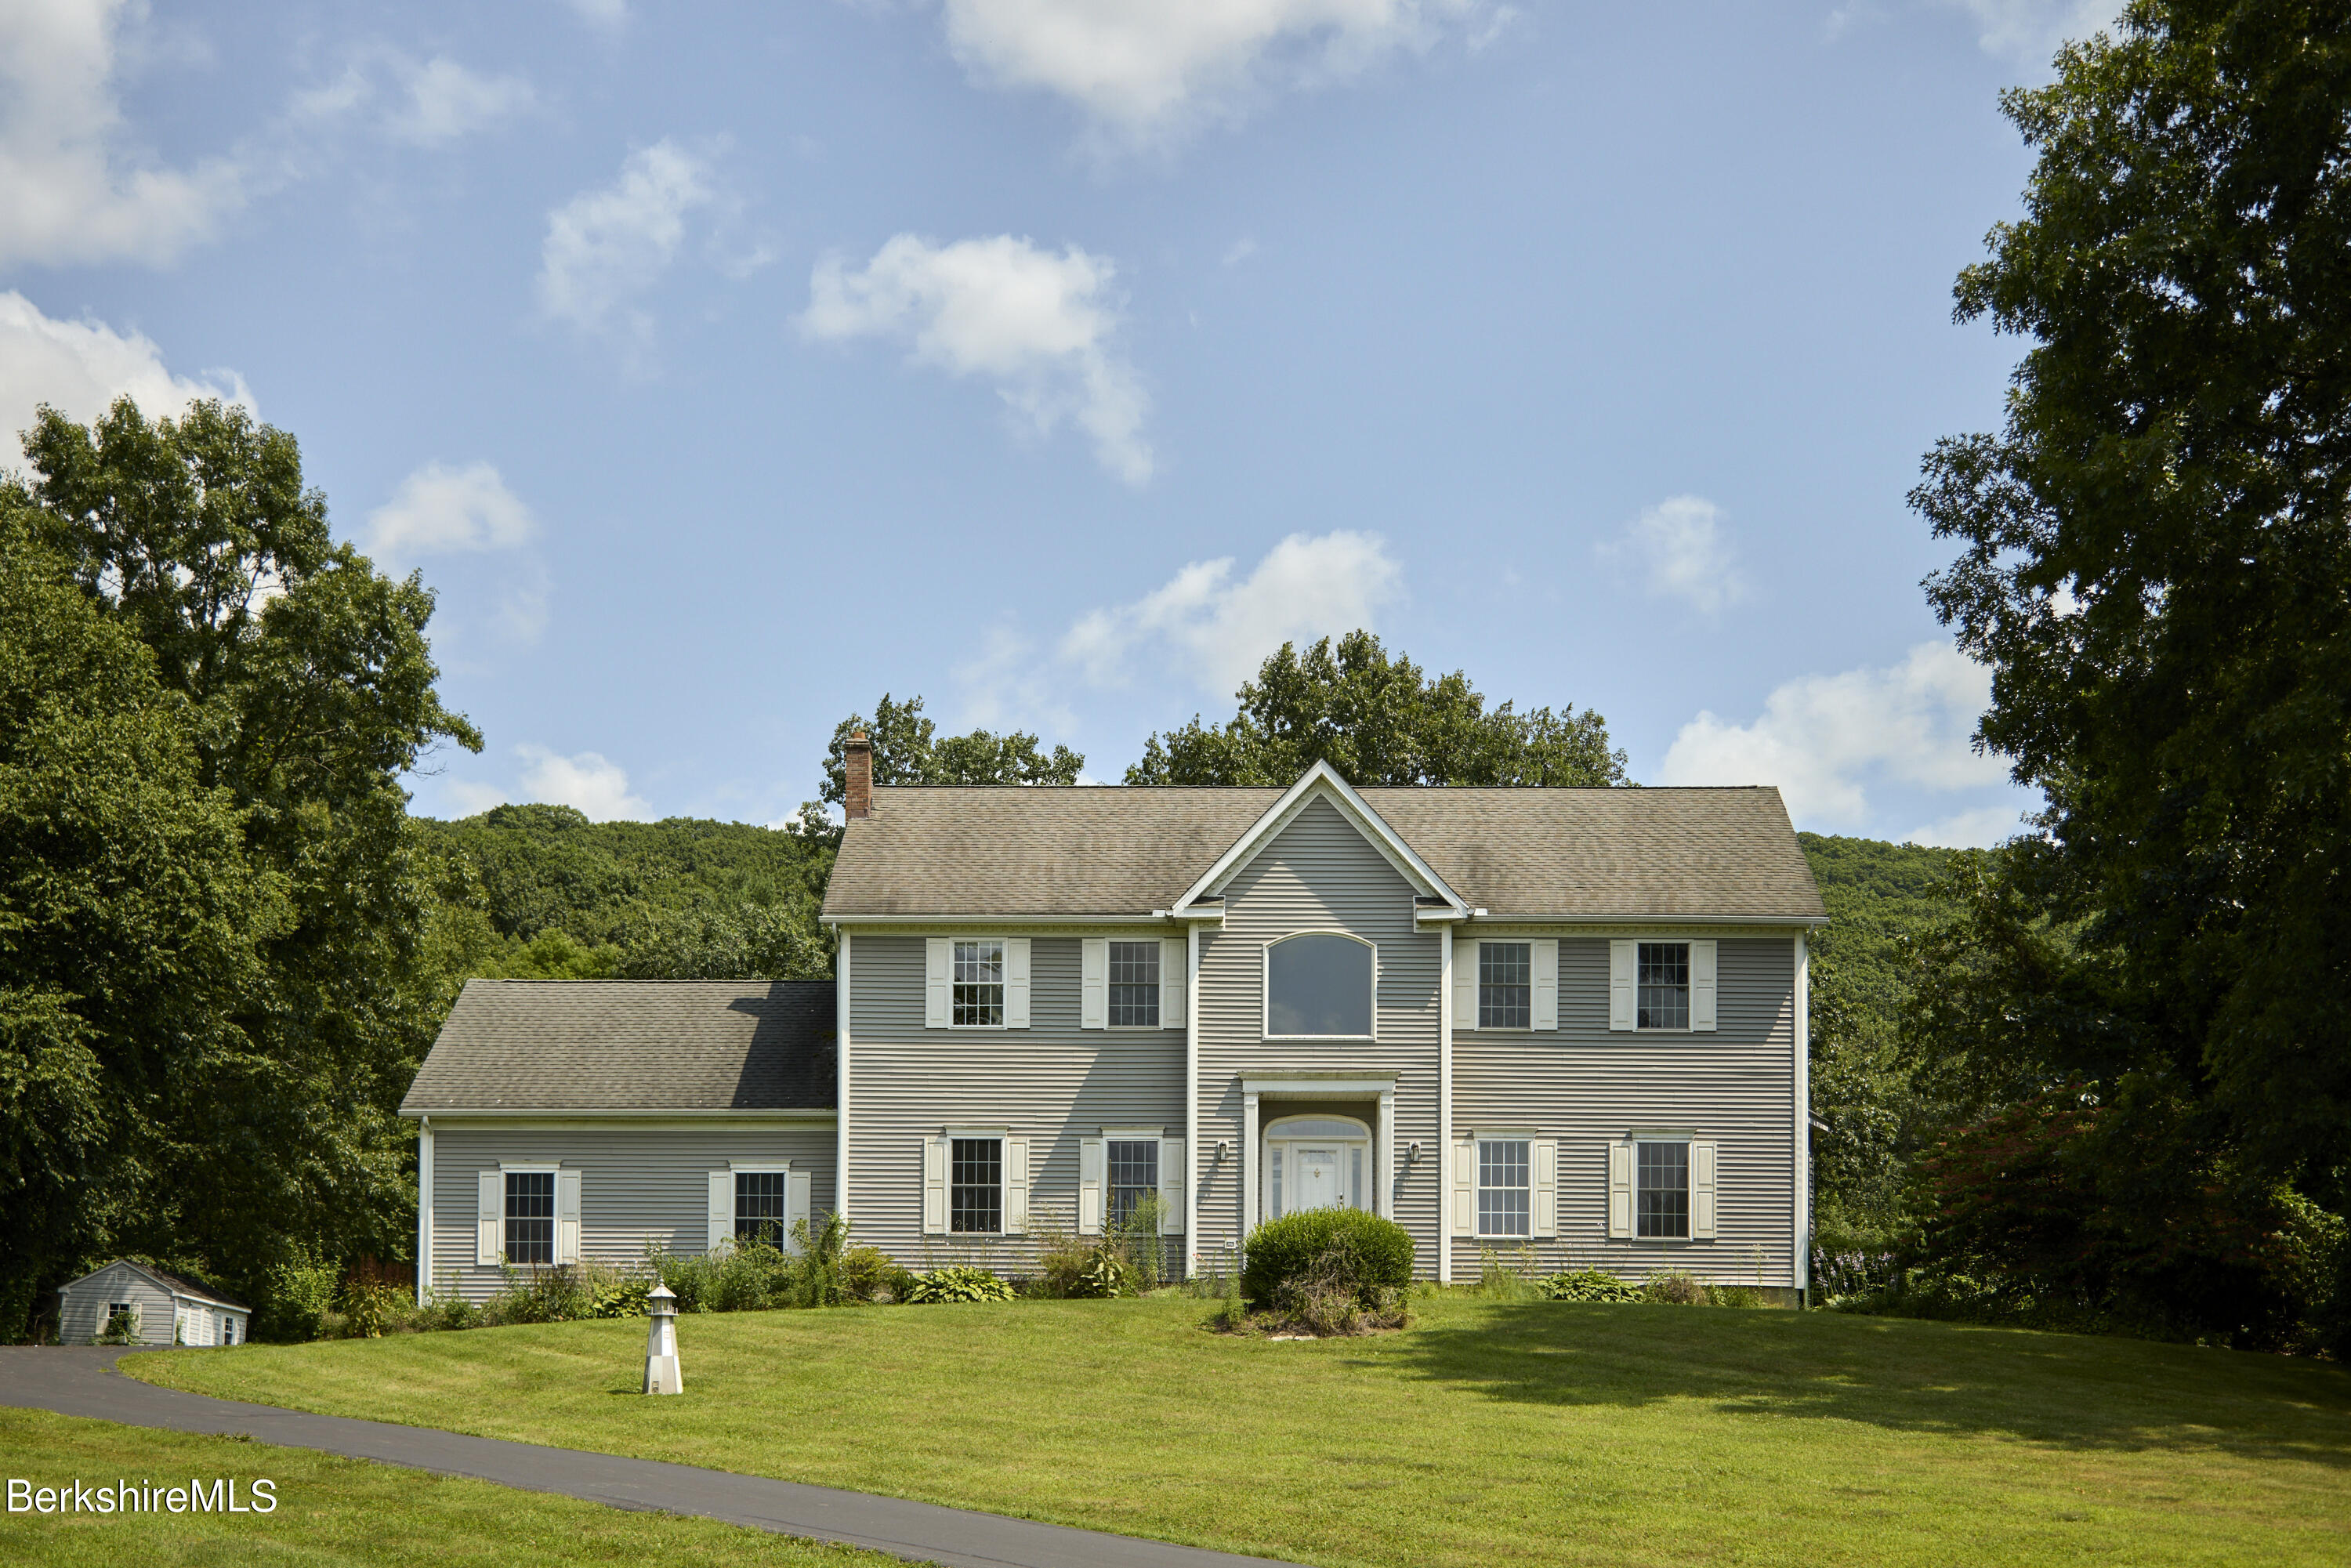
<point x="820" y="1116"/>
<point x="1013" y="922"/>
<point x="1647" y="921"/>
<point x="1324" y="779"/>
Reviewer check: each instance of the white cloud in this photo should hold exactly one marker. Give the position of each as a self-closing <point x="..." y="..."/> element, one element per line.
<point x="1826" y="740"/>
<point x="1038" y="325"/>
<point x="609" y="14"/>
<point x="1141" y="69"/>
<point x="445" y="101"/>
<point x="439" y="510"/>
<point x="468" y="800"/>
<point x="1976" y="830"/>
<point x="1220" y="630"/>
<point x="80" y="368"/>
<point x="71" y="190"/>
<point x="607" y="244"/>
<point x="1681" y="551"/>
<point x="2029" y="31"/>
<point x="599" y="787"/>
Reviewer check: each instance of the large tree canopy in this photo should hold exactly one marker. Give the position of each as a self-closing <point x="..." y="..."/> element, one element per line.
<point x="306" y="687"/>
<point x="908" y="749"/>
<point x="1378" y="720"/>
<point x="2157" y="564"/>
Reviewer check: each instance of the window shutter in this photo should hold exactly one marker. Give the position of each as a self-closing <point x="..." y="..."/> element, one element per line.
<point x="489" y="1218"/>
<point x="1094" y="983"/>
<point x="1172" y="1171"/>
<point x="795" y="1206"/>
<point x="1465" y="985"/>
<point x="1090" y="1186"/>
<point x="1620" y="1191"/>
<point x="1016" y="1186"/>
<point x="567" y="1217"/>
<point x="1465" y="1187"/>
<point x="938" y="975"/>
<point x="722" y="1208"/>
<point x="1701" y="1180"/>
<point x="1174" y="981"/>
<point x="1016" y="982"/>
<point x="1702" y="986"/>
<point x="934" y="1187"/>
<point x="1622" y="957"/>
<point x="1544" y="1178"/>
<point x="1546" y="982"/>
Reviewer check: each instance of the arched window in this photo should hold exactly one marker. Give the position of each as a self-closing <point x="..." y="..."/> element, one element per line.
<point x="1319" y="984"/>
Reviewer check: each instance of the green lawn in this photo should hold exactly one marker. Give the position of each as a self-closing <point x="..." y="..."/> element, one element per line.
<point x="1486" y="1432"/>
<point x="332" y="1510"/>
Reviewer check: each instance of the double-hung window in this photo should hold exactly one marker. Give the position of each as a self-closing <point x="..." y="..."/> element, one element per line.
<point x="1135" y="985"/>
<point x="1665" y="986"/>
<point x="1505" y="985"/>
<point x="978" y="997"/>
<point x="976" y="1184"/>
<point x="1663" y="1196"/>
<point x="759" y="1198"/>
<point x="1134" y="1173"/>
<point x="530" y="1217"/>
<point x="1505" y="1190"/>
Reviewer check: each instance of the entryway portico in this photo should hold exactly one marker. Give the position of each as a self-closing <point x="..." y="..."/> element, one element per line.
<point x="1331" y="1137"/>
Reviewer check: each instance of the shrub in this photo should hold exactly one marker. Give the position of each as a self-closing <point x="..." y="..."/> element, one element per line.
<point x="868" y="1274"/>
<point x="301" y="1294"/>
<point x="1370" y="1254"/>
<point x="958" y="1282"/>
<point x="1498" y="1281"/>
<point x="1588" y="1285"/>
<point x="371" y="1305"/>
<point x="1674" y="1288"/>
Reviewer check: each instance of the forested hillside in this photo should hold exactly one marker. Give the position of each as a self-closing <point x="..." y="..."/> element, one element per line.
<point x="1877" y="893"/>
<point x="540" y="891"/>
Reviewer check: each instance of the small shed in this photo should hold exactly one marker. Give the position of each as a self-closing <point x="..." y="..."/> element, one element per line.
<point x="159" y="1307"/>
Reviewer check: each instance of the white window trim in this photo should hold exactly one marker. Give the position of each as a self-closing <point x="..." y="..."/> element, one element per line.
<point x="1004" y="1139"/>
<point x="1477" y="985"/>
<point x="1705" y="981"/>
<point x="555" y="1238"/>
<point x="1265" y="984"/>
<point x="1006" y="1009"/>
<point x="1526" y="1135"/>
<point x="1633" y="1141"/>
<point x="1160" y="985"/>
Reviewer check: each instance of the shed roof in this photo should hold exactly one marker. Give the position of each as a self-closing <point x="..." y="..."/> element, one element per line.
<point x="1590" y="854"/>
<point x="177" y="1284"/>
<point x="632" y="1045"/>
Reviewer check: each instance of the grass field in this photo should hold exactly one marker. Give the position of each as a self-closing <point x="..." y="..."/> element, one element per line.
<point x="332" y="1510"/>
<point x="1486" y="1433"/>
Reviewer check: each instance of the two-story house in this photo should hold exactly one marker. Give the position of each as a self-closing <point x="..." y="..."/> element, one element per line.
<point x="1566" y="1024"/>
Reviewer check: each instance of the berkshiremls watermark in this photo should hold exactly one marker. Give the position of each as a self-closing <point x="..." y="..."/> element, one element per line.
<point x="218" y="1495"/>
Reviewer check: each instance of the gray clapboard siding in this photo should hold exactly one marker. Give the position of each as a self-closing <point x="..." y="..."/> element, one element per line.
<point x="1317" y="872"/>
<point x="1586" y="1086"/>
<point x="81" y="1312"/>
<point x="1052" y="1082"/>
<point x="639" y="1186"/>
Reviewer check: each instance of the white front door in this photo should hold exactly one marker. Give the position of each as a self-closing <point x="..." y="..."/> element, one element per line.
<point x="1317" y="1177"/>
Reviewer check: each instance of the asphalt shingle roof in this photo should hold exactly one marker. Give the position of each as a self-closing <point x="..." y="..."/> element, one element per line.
<point x="1588" y="853"/>
<point x="632" y="1045"/>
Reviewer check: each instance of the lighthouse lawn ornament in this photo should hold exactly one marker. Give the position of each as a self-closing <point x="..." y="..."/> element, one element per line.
<point x="662" y="1375"/>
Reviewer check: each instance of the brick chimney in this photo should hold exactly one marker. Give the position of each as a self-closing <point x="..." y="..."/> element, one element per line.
<point x="857" y="759"/>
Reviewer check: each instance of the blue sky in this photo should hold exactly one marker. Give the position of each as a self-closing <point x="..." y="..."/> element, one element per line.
<point x="723" y="367"/>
